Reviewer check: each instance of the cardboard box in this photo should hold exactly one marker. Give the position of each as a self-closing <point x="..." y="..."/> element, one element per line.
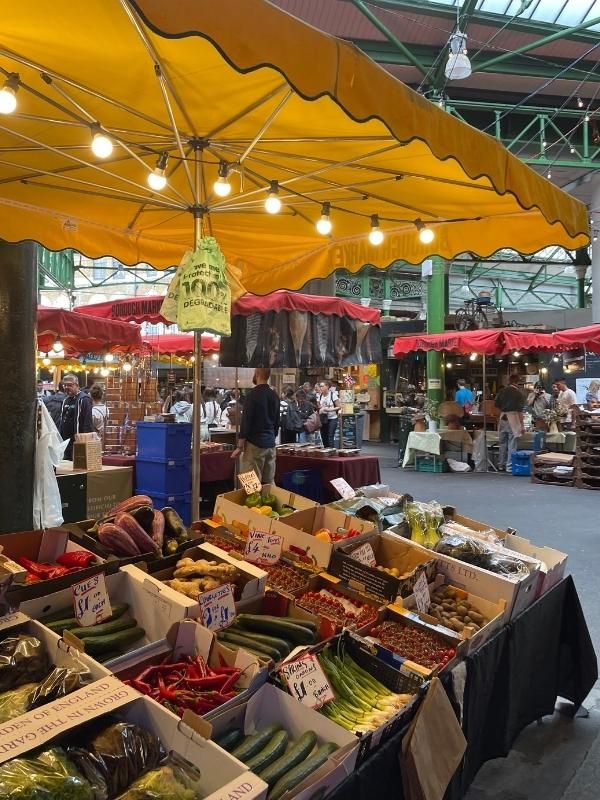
<point x="390" y="551"/>
<point x="44" y="547"/>
<point x="230" y="508"/>
<point x="271" y="705"/>
<point x="298" y="529"/>
<point x="189" y="638"/>
<point x="106" y="488"/>
<point x="155" y="606"/>
<point x="87" y="455"/>
<point x="223" y="777"/>
<point x="332" y="584"/>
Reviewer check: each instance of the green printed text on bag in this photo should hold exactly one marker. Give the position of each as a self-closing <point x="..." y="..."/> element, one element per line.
<point x="204" y="301"/>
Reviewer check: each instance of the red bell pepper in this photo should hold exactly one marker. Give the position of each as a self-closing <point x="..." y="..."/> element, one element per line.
<point x="77" y="558"/>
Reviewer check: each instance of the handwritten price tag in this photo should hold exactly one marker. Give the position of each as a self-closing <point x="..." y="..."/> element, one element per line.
<point x="307" y="682"/>
<point x="263" y="548"/>
<point x="217" y="607"/>
<point x="365" y="555"/>
<point x="421" y="592"/>
<point x="250" y="482"/>
<point x="91" y="601"/>
<point x="343" y="488"/>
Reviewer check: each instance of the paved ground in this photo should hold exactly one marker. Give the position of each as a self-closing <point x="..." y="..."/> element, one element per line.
<point x="559" y="759"/>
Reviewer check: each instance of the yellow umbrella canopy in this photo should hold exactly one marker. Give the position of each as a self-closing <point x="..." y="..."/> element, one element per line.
<point x="194" y="90"/>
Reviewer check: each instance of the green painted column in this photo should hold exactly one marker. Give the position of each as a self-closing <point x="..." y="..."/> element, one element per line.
<point x="581" y="298"/>
<point x="436" y="307"/>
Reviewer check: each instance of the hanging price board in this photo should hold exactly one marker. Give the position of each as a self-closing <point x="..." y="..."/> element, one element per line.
<point x="217" y="607"/>
<point x="421" y="592"/>
<point x="343" y="488"/>
<point x="263" y="548"/>
<point x="307" y="682"/>
<point x="90" y="601"/>
<point x="365" y="555"/>
<point x="250" y="482"/>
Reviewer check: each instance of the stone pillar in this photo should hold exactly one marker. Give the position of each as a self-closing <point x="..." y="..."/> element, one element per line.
<point x="436" y="307"/>
<point x="595" y="209"/>
<point x="581" y="298"/>
<point x="18" y="401"/>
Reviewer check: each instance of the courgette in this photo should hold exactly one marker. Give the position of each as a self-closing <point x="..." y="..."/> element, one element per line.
<point x="63" y="613"/>
<point x="297" y="753"/>
<point x="254" y="743"/>
<point x="271" y="641"/>
<point x="67" y="620"/>
<point x="305" y="623"/>
<point x="275" y="748"/>
<point x="302" y="771"/>
<point x="247" y="649"/>
<point x="230" y="739"/>
<point x="244" y="641"/>
<point x="121" y="624"/>
<point x="96" y="645"/>
<point x="277" y="627"/>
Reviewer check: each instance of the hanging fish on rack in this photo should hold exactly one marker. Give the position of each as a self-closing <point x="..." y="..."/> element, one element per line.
<point x="253" y="322"/>
<point x="322" y="326"/>
<point x="298" y="325"/>
<point x="362" y="329"/>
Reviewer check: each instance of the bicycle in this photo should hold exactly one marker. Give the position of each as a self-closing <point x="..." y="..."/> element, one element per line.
<point x="474" y="317"/>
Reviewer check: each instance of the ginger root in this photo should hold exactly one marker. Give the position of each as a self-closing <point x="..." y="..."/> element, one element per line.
<point x="194" y="587"/>
<point x="188" y="568"/>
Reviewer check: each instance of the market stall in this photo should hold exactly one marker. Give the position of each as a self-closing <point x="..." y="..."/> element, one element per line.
<point x="77" y="334"/>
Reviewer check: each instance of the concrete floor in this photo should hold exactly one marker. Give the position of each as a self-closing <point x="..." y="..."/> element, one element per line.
<point x="559" y="759"/>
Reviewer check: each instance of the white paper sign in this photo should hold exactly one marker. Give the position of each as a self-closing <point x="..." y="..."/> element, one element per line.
<point x="263" y="548"/>
<point x="343" y="488"/>
<point x="307" y="682"/>
<point x="421" y="592"/>
<point x="250" y="482"/>
<point x="365" y="555"/>
<point x="217" y="607"/>
<point x="91" y="601"/>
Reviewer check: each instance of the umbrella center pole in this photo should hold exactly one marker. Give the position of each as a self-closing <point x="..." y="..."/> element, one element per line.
<point x="197" y="399"/>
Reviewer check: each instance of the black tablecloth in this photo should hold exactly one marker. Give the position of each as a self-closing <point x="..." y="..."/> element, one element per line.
<point x="513" y="680"/>
<point x="356" y="470"/>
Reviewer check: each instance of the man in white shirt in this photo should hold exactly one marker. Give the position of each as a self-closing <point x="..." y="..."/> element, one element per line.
<point x="566" y="400"/>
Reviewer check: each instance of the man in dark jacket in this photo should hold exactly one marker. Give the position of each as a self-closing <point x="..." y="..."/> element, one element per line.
<point x="76" y="413"/>
<point x="54" y="403"/>
<point x="509" y="401"/>
<point x="260" y="425"/>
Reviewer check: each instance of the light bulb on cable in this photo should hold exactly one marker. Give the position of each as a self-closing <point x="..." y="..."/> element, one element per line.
<point x="448" y="365"/>
<point x="57" y="347"/>
<point x="426" y="234"/>
<point x="516" y="354"/>
<point x="104" y="372"/>
<point x="473" y="357"/>
<point x="458" y="66"/>
<point x="8" y="94"/>
<point x="273" y="203"/>
<point x="375" y="234"/>
<point x="222" y="187"/>
<point x="157" y="180"/>
<point x="46" y="361"/>
<point x="109" y="357"/>
<point x="102" y="145"/>
<point x="127" y="366"/>
<point x="580" y="102"/>
<point x="556" y="359"/>
<point x="324" y="225"/>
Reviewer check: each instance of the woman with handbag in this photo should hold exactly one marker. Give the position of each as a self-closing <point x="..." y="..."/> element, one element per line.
<point x="329" y="406"/>
<point x="310" y="418"/>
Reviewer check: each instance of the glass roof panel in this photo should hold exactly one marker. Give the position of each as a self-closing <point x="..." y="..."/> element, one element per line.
<point x="565" y="13"/>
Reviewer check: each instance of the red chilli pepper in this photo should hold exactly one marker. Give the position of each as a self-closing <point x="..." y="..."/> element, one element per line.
<point x="231" y="681"/>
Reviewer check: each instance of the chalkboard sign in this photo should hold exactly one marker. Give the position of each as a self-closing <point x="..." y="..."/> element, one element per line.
<point x="348" y="439"/>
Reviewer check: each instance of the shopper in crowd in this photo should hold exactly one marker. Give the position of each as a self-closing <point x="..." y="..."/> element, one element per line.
<point x="76" y="413"/>
<point x="99" y="410"/>
<point x="565" y="401"/>
<point x="538" y="401"/>
<point x="260" y="426"/>
<point x="232" y="415"/>
<point x="464" y="397"/>
<point x="290" y="423"/>
<point x="211" y="410"/>
<point x="509" y="402"/>
<point x="329" y="406"/>
<point x="54" y="403"/>
<point x="592" y="396"/>
<point x="306" y="408"/>
<point x="308" y="390"/>
<point x="181" y="407"/>
<point x="41" y="392"/>
<point x="231" y="397"/>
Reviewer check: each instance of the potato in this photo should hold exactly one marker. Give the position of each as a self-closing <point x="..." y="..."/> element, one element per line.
<point x="476" y="616"/>
<point x="461" y="611"/>
<point x="456" y="624"/>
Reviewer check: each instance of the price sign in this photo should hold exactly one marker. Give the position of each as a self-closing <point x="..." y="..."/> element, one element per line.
<point x="307" y="682"/>
<point x="365" y="555"/>
<point x="250" y="482"/>
<point x="91" y="601"/>
<point x="421" y="591"/>
<point x="343" y="488"/>
<point x="217" y="607"/>
<point x="263" y="548"/>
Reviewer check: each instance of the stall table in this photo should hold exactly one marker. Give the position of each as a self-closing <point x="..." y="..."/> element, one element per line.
<point x="216" y="476"/>
<point x="356" y="470"/>
<point x="430" y="442"/>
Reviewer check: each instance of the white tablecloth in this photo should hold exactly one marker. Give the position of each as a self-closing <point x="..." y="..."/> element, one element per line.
<point x="430" y="442"/>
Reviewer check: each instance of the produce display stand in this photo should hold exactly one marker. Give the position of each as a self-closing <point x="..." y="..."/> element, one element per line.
<point x="545" y="468"/>
<point x="356" y="470"/>
<point x="587" y="426"/>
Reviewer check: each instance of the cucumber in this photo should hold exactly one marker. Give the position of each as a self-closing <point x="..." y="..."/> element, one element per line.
<point x="270" y="641"/>
<point x="254" y="743"/>
<point x="230" y="739"/>
<point x="103" y="628"/>
<point x="305" y="623"/>
<point x="97" y="645"/>
<point x="67" y="620"/>
<point x="251" y="650"/>
<point x="63" y="613"/>
<point x="275" y="748"/>
<point x="302" y="771"/>
<point x="297" y="753"/>
<point x="243" y="641"/>
<point x="277" y="627"/>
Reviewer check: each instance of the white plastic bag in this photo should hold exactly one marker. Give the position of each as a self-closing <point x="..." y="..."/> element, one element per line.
<point x="50" y="449"/>
<point x="458" y="466"/>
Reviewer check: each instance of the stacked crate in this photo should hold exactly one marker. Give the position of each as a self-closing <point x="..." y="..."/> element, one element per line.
<point x="125" y="409"/>
<point x="163" y="465"/>
<point x="587" y="428"/>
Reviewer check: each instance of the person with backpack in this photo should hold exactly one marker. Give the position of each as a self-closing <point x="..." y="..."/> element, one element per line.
<point x="211" y="410"/>
<point x="290" y="420"/>
<point x="509" y="401"/>
<point x="311" y="422"/>
<point x="329" y="407"/>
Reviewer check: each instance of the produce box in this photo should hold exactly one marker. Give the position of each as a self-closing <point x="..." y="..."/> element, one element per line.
<point x="398" y="566"/>
<point x="299" y="529"/>
<point x="44" y="547"/>
<point x="189" y="638"/>
<point x="271" y="706"/>
<point x="232" y="507"/>
<point x="221" y="776"/>
<point x="154" y="606"/>
<point x="441" y="591"/>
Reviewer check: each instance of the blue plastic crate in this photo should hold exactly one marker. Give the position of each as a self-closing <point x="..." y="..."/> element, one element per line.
<point x="164" y="440"/>
<point x="167" y="476"/>
<point x="181" y="502"/>
<point x="521" y="462"/>
<point x="306" y="482"/>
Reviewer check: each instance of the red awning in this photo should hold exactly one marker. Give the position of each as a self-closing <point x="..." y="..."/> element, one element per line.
<point x="80" y="334"/>
<point x="485" y="342"/>
<point x="128" y="309"/>
<point x="313" y="304"/>
<point x="181" y="344"/>
<point x="588" y="337"/>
